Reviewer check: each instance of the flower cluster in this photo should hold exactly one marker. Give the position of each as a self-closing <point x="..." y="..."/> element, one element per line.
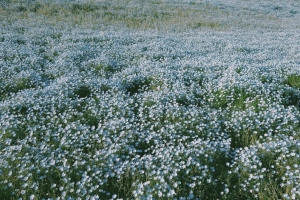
<point x="90" y="113"/>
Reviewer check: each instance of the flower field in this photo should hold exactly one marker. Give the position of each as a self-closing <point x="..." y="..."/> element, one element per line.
<point x="158" y="99"/>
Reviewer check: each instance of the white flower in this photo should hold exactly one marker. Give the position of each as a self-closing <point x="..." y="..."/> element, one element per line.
<point x="159" y="193"/>
<point x="226" y="190"/>
<point x="52" y="162"/>
<point x="32" y="197"/>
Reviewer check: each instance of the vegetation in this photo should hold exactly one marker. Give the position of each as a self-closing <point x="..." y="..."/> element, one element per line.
<point x="149" y="99"/>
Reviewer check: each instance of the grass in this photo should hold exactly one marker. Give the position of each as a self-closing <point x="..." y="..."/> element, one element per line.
<point x="159" y="16"/>
<point x="235" y="98"/>
<point x="204" y="24"/>
<point x="293" y="80"/>
<point x="17" y="86"/>
<point x="141" y="84"/>
<point x="82" y="91"/>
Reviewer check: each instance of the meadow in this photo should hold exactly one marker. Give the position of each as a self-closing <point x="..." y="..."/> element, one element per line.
<point x="149" y="99"/>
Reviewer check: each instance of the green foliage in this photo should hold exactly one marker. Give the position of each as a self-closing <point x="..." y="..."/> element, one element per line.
<point x="36" y="6"/>
<point x="20" y="42"/>
<point x="123" y="186"/>
<point x="21" y="84"/>
<point x="7" y="89"/>
<point x="243" y="138"/>
<point x="105" y="88"/>
<point x="293" y="80"/>
<point x="234" y="98"/>
<point x="291" y="97"/>
<point x="159" y="15"/>
<point x="90" y="119"/>
<point x="205" y="24"/>
<point x="83" y="91"/>
<point x="244" y="50"/>
<point x="77" y="8"/>
<point x="238" y="70"/>
<point x="104" y="70"/>
<point x="266" y="79"/>
<point x="21" y="8"/>
<point x="141" y="84"/>
<point x="47" y="77"/>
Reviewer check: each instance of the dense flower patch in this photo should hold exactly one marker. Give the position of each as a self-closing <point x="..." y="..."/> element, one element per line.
<point x="144" y="114"/>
